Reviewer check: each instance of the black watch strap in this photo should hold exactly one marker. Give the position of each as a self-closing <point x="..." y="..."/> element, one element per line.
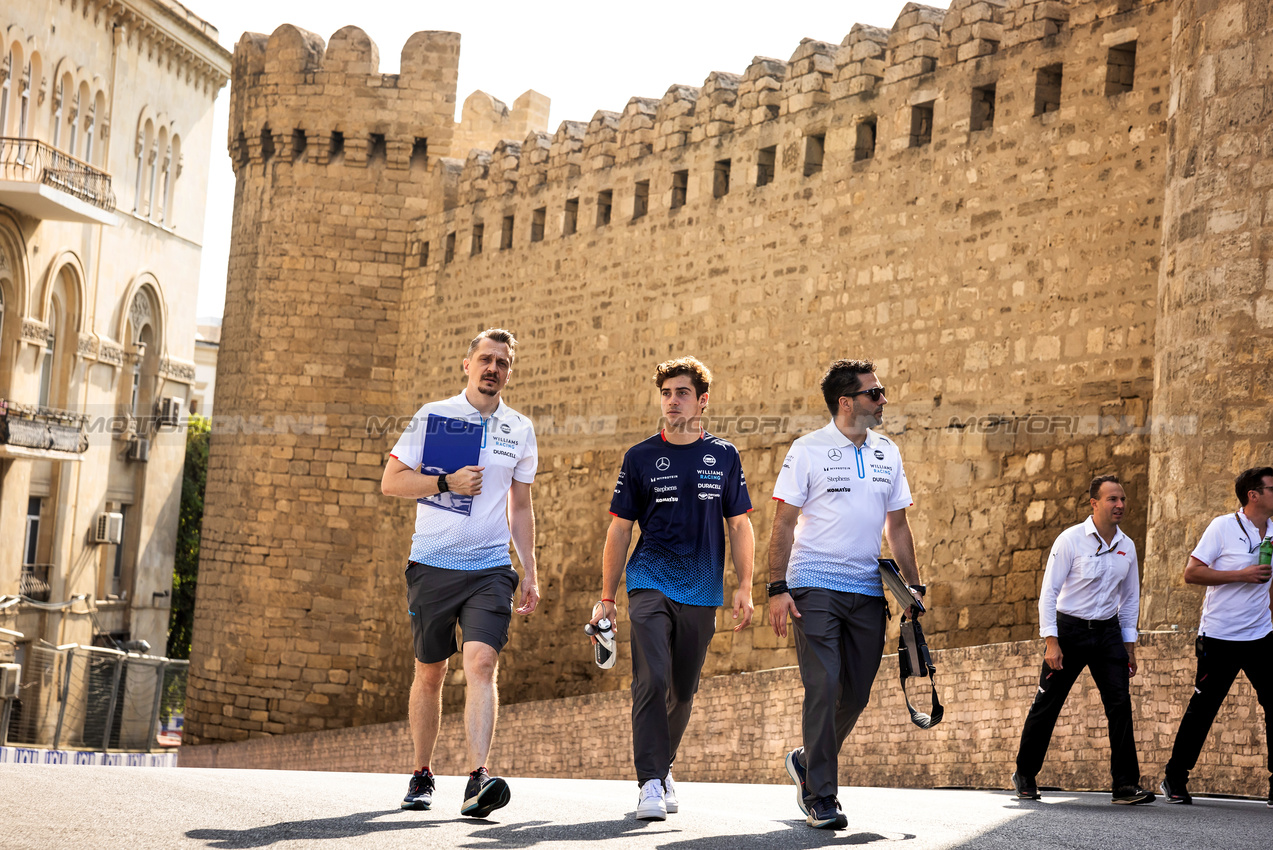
<point x="776" y="588"/>
<point x="443" y="487"/>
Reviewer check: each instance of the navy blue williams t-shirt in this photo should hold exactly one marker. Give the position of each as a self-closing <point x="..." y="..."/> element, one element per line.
<point x="680" y="496"/>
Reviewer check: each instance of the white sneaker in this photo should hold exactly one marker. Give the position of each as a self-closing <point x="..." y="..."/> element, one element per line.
<point x="650" y="806"/>
<point x="669" y="794"/>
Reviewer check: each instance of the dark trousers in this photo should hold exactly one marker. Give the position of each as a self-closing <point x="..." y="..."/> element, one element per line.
<point x="1101" y="650"/>
<point x="839" y="643"/>
<point x="1218" y="664"/>
<point x="669" y="644"/>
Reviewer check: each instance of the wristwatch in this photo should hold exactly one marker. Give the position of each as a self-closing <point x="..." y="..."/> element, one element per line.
<point x="776" y="588"/>
<point x="921" y="589"/>
<point x="443" y="487"/>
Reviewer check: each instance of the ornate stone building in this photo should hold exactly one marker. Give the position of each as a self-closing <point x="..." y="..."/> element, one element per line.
<point x="1045" y="220"/>
<point x="105" y="133"/>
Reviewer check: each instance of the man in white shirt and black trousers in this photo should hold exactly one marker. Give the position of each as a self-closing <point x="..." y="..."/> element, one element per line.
<point x="1236" y="630"/>
<point x="1088" y="608"/>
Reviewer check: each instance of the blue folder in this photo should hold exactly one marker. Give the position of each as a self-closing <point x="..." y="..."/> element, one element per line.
<point x="449" y="445"/>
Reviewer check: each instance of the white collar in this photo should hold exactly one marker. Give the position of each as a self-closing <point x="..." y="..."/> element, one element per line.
<point x="500" y="412"/>
<point x="1089" y="527"/>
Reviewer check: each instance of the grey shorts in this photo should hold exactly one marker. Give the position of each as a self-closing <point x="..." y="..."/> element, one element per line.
<point x="480" y="601"/>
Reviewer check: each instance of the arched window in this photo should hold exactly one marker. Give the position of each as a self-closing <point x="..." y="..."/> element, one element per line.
<point x="24" y="106"/>
<point x="145" y="134"/>
<point x="143" y="354"/>
<point x="7" y="72"/>
<point x="59" y="103"/>
<point x="90" y="124"/>
<point x="155" y="210"/>
<point x="48" y="356"/>
<point x="71" y="124"/>
<point x="171" y="172"/>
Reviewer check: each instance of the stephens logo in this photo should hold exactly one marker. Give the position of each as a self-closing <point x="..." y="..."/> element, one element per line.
<point x="662" y="464"/>
<point x="834" y="454"/>
<point x="710" y="460"/>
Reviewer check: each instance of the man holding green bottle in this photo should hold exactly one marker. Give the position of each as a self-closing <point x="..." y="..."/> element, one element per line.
<point x="1236" y="629"/>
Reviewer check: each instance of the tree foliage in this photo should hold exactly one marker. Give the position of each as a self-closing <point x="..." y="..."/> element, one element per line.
<point x="185" y="571"/>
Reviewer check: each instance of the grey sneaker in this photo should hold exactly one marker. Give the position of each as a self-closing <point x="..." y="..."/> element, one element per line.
<point x="484" y="794"/>
<point x="824" y="813"/>
<point x="419" y="792"/>
<point x="669" y="795"/>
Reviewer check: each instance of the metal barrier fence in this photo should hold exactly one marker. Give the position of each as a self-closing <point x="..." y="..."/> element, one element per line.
<point x="89" y="697"/>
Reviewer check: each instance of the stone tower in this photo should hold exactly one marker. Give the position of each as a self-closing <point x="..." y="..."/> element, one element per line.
<point x="1213" y="389"/>
<point x="331" y="158"/>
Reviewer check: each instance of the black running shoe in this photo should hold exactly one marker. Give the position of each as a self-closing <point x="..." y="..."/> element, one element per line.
<point x="1132" y="795"/>
<point x="796" y="770"/>
<point x="484" y="794"/>
<point x="1174" y="791"/>
<point x="824" y="813"/>
<point x="419" y="791"/>
<point x="1026" y="789"/>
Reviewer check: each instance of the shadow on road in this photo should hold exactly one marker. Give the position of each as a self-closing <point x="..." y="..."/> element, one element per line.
<point x="797" y="834"/>
<point x="347" y="826"/>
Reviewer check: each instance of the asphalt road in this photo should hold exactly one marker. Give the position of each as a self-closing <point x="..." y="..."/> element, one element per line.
<point x="137" y="808"/>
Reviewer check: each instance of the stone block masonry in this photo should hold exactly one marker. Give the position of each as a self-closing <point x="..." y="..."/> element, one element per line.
<point x="745" y="723"/>
<point x="1001" y="204"/>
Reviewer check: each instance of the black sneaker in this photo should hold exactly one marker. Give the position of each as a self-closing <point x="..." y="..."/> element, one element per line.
<point x="824" y="813"/>
<point x="796" y="770"/>
<point x="1132" y="795"/>
<point x="1026" y="789"/>
<point x="484" y="794"/>
<point x="1175" y="791"/>
<point x="419" y="792"/>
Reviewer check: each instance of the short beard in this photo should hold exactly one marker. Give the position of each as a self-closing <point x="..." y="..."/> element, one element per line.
<point x="484" y="391"/>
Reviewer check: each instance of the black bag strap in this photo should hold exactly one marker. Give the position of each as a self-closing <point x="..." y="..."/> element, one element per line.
<point x="919" y="718"/>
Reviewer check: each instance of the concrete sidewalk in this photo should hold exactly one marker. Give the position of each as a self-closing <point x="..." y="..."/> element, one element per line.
<point x="104" y="808"/>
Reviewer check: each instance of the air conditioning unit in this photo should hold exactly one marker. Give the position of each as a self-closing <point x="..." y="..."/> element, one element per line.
<point x="170" y="411"/>
<point x="139" y="449"/>
<point x="10" y="680"/>
<point x="109" y="528"/>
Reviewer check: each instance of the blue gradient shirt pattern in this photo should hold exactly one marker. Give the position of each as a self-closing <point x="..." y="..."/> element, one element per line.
<point x="680" y="496"/>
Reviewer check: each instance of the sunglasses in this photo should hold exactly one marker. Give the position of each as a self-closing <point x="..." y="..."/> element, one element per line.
<point x="875" y="393"/>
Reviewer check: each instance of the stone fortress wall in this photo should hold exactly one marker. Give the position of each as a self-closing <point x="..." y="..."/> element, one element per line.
<point x="974" y="199"/>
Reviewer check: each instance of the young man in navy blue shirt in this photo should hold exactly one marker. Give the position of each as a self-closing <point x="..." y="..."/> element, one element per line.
<point x="684" y="487"/>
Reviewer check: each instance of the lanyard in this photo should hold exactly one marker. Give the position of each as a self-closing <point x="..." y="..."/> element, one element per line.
<point x="1250" y="549"/>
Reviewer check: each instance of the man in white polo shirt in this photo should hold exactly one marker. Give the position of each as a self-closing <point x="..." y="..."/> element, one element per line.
<point x="1088" y="608"/>
<point x="469" y="462"/>
<point x="1236" y="630"/>
<point x="839" y="488"/>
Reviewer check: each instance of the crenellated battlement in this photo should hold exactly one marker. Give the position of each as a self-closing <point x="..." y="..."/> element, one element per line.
<point x="875" y="75"/>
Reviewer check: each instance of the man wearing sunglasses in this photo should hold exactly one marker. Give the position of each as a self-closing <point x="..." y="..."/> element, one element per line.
<point x="1236" y="630"/>
<point x="838" y="489"/>
<point x="1088" y="608"/>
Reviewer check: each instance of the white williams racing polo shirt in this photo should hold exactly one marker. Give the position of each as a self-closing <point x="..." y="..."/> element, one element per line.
<point x="1239" y="610"/>
<point x="844" y="493"/>
<point x="1090" y="579"/>
<point x="467" y="532"/>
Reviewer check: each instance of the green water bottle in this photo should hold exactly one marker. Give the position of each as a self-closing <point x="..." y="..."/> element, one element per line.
<point x="1266" y="552"/>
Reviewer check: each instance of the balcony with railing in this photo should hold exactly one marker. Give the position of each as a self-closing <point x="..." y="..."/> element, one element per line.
<point x="41" y="181"/>
<point x="27" y="431"/>
<point x="35" y="581"/>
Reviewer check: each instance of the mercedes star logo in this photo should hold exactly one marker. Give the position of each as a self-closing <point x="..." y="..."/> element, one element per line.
<point x="662" y="464"/>
<point x="834" y="454"/>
